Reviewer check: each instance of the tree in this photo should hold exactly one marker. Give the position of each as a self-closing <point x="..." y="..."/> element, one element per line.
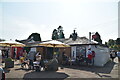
<point x="116" y="47"/>
<point x="70" y="36"/>
<point x="118" y="41"/>
<point x="54" y="34"/>
<point x="114" y="44"/>
<point x="2" y="39"/>
<point x="106" y="43"/>
<point x="111" y="42"/>
<point x="97" y="37"/>
<point x="73" y="35"/>
<point x="60" y="32"/>
<point x="62" y="35"/>
<point x="35" y="37"/>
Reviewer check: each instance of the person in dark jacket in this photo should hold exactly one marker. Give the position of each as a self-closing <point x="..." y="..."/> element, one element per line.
<point x="42" y="63"/>
<point x="31" y="57"/>
<point x="112" y="55"/>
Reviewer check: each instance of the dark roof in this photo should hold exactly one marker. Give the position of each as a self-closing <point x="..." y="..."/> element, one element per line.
<point x="25" y="41"/>
<point x="78" y="41"/>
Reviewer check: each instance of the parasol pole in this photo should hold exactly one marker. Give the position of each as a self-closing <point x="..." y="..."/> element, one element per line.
<point x="10" y="55"/>
<point x="11" y="51"/>
<point x="46" y="52"/>
<point x="53" y="50"/>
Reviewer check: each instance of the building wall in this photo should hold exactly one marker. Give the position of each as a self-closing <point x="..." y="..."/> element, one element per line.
<point x="102" y="54"/>
<point x="73" y="52"/>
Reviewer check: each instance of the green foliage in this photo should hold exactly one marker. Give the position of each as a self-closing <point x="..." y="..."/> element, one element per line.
<point x="98" y="38"/>
<point x="61" y="35"/>
<point x="114" y="44"/>
<point x="106" y="43"/>
<point x="35" y="36"/>
<point x="54" y="34"/>
<point x="2" y="39"/>
<point x="73" y="35"/>
<point x="70" y="36"/>
<point x="111" y="42"/>
<point x="116" y="47"/>
<point x="8" y="59"/>
<point x="58" y="33"/>
<point x="118" y="41"/>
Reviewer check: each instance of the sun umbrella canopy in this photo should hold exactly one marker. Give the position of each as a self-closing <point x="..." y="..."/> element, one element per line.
<point x="53" y="43"/>
<point x="11" y="44"/>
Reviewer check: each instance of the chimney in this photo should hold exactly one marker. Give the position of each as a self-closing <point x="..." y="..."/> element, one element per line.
<point x="89" y="37"/>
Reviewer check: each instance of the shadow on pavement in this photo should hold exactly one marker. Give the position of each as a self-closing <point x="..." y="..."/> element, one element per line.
<point x="107" y="68"/>
<point x="46" y="75"/>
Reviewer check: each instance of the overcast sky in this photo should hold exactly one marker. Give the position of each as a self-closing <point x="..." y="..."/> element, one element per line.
<point x="20" y="18"/>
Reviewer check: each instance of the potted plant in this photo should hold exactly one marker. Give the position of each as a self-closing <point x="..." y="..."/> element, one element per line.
<point x="9" y="63"/>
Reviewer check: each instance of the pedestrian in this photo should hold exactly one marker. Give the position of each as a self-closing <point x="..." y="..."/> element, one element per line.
<point x="24" y="62"/>
<point x="38" y="56"/>
<point x="65" y="59"/>
<point x="118" y="55"/>
<point x="14" y="54"/>
<point x="112" y="55"/>
<point x="31" y="57"/>
<point x="42" y="64"/>
<point x="88" y="52"/>
<point x="93" y="56"/>
<point x="89" y="56"/>
<point x="25" y="54"/>
<point x="6" y="54"/>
